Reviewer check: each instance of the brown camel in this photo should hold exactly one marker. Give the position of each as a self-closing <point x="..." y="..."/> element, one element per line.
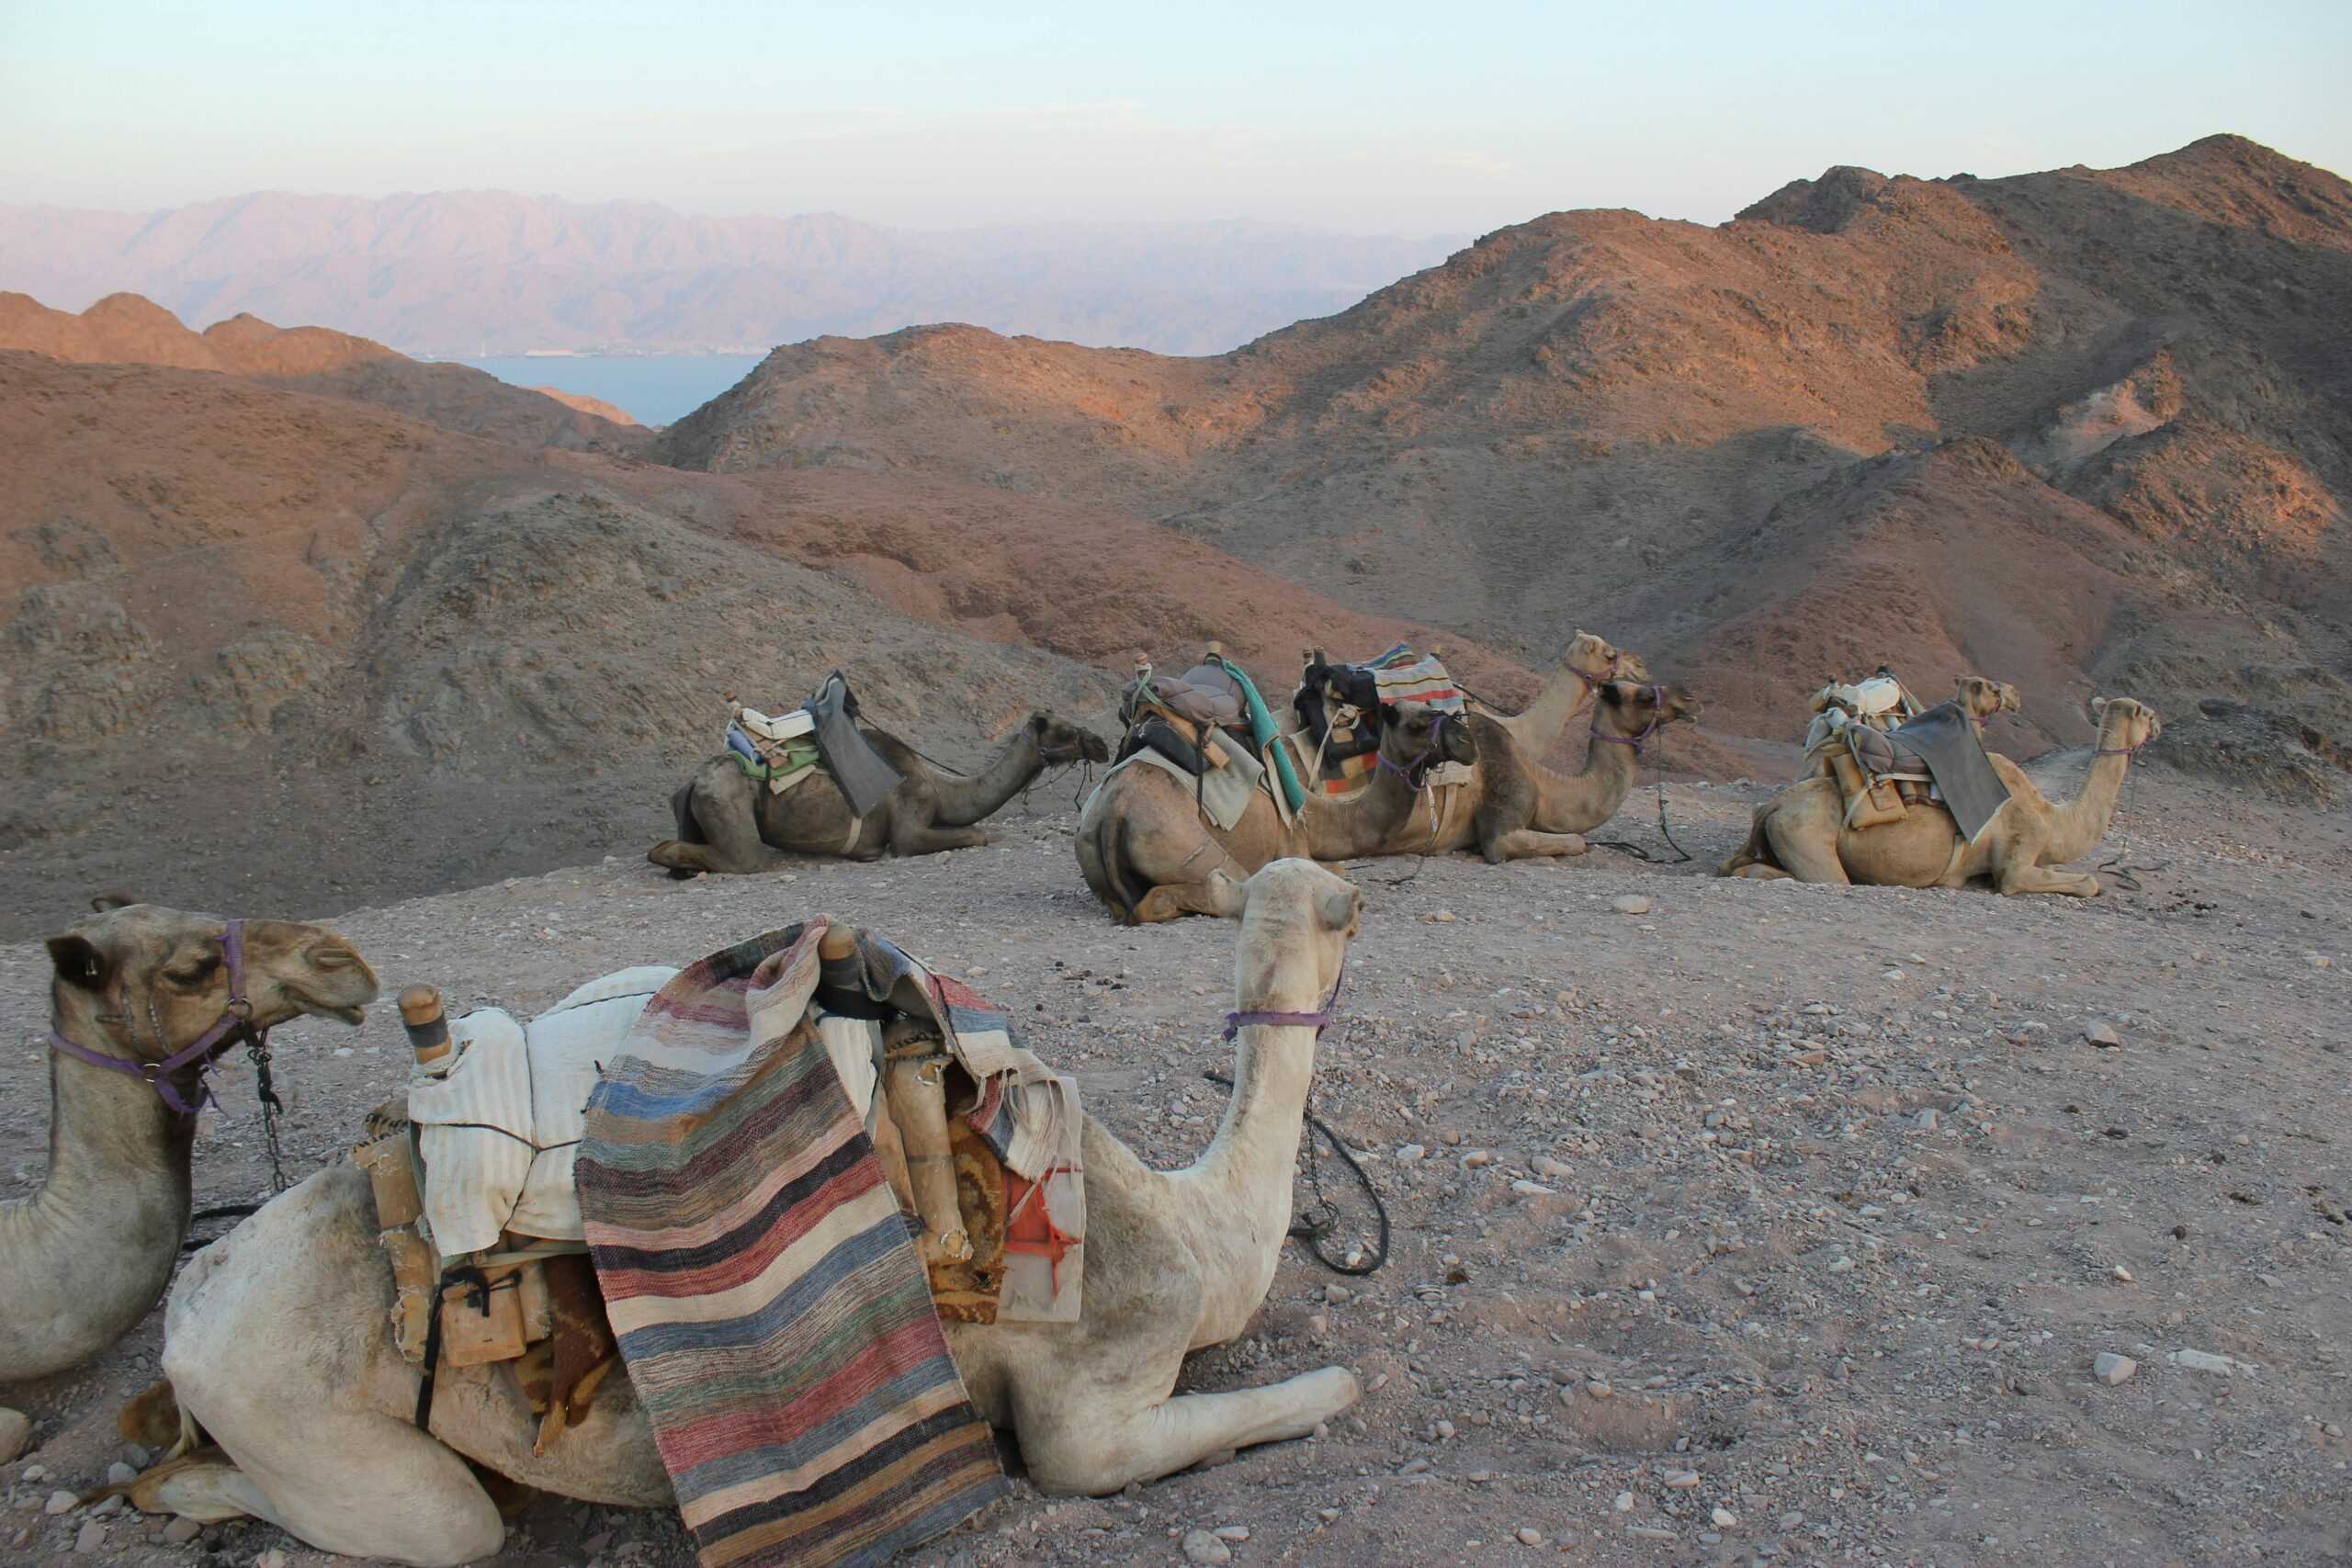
<point x="1513" y="807"/>
<point x="1588" y="661"/>
<point x="730" y="821"/>
<point x="84" y="1259"/>
<point x="1145" y="852"/>
<point x="1800" y="833"/>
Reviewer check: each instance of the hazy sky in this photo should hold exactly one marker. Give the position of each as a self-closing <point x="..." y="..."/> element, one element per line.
<point x="1422" y="118"/>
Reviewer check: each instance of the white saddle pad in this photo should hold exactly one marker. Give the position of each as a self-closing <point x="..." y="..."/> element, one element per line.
<point x="498" y="1130"/>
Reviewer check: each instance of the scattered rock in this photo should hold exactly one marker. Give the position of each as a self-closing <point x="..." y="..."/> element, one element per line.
<point x="1408" y="1153"/>
<point x="89" y="1538"/>
<point x="15" y="1435"/>
<point x="1530" y="1536"/>
<point x="1723" y="1519"/>
<point x="59" y="1501"/>
<point x="1233" y="1532"/>
<point x="182" y="1530"/>
<point x="2205" y="1361"/>
<point x="2112" y="1369"/>
<point x="1630" y="904"/>
<point x="2102" y="1035"/>
<point x="1551" y="1169"/>
<point x="120" y="1475"/>
<point x="1624" y="1504"/>
<point x="1681" y="1480"/>
<point x="1527" y="1189"/>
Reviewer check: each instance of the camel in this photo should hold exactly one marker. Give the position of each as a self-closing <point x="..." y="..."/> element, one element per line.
<point x="277" y="1340"/>
<point x="1148" y="855"/>
<point x="1513" y="807"/>
<point x="83" y="1258"/>
<point x="1143" y="849"/>
<point x="1588" y="661"/>
<point x="729" y="821"/>
<point x="1800" y="833"/>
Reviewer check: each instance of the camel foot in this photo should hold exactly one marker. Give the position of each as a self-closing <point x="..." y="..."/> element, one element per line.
<point x="1181" y="1431"/>
<point x="1755" y="871"/>
<point x="151" y="1417"/>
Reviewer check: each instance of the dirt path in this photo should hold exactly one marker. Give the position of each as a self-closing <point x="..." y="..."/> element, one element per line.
<point x="1764" y="1223"/>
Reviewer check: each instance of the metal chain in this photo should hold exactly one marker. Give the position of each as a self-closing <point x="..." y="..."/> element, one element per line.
<point x="265" y="1090"/>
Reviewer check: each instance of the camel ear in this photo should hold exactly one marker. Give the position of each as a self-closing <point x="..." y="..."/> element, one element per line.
<point x="1339" y="908"/>
<point x="105" y="901"/>
<point x="79" y="962"/>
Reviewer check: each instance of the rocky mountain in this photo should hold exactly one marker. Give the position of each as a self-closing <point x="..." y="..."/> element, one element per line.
<point x="272" y="650"/>
<point x="466" y="272"/>
<point x="2084" y="430"/>
<point x="124" y="329"/>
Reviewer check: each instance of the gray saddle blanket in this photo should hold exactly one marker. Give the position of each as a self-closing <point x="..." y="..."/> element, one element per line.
<point x="1204" y="694"/>
<point x="1947" y="744"/>
<point x="866" y="778"/>
<point x="1222" y="793"/>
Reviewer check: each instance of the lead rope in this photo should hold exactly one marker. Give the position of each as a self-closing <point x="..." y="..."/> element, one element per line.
<point x="1625" y="846"/>
<point x="2115" y="867"/>
<point x="1318" y="1224"/>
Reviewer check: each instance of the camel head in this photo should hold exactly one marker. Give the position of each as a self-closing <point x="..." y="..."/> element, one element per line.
<point x="2124" y="725"/>
<point x="1632" y="710"/>
<point x="141" y="982"/>
<point x="1417" y="735"/>
<point x="1981" y="698"/>
<point x="1296" y="920"/>
<point x="1597" y="659"/>
<point x="1058" y="740"/>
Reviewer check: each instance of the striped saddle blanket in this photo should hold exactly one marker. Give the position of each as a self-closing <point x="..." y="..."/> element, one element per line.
<point x="765" y="1288"/>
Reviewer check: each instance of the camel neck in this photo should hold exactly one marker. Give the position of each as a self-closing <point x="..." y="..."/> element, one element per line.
<point x="964" y="800"/>
<point x="1248" y="1165"/>
<point x="1575" y="803"/>
<point x="2077" y="827"/>
<point x="86" y="1257"/>
<point x="1565" y="695"/>
<point x="1361" y="826"/>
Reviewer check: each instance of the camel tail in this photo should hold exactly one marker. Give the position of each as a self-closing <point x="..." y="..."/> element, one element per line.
<point x="1103" y="857"/>
<point x="682" y="806"/>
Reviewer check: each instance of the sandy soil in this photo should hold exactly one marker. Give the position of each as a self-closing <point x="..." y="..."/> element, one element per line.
<point x="1841" y="1205"/>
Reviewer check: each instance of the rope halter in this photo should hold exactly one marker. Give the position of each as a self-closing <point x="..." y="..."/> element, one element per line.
<point x="1318" y="1021"/>
<point x="1416" y="773"/>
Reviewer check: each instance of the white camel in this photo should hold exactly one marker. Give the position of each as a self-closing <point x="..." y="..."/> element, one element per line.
<point x="277" y="1338"/>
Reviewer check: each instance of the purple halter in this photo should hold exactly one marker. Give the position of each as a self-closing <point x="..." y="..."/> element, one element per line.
<point x="1318" y="1021"/>
<point x="1415" y="773"/>
<point x="1657" y="716"/>
<point x="236" y="1022"/>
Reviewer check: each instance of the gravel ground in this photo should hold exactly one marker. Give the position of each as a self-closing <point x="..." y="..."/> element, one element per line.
<point x="1736" y="1222"/>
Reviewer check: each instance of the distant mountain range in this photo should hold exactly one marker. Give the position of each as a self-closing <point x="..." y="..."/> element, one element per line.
<point x="492" y="271"/>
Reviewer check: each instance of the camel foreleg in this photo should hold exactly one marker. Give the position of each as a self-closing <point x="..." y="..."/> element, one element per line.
<point x="1529" y="843"/>
<point x="1217" y="895"/>
<point x="1092" y="1457"/>
<point x="925" y="838"/>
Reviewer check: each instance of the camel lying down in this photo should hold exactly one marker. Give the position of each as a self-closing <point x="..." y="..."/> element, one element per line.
<point x="276" y="1338"/>
<point x="1800" y="833"/>
<point x="729" y="821"/>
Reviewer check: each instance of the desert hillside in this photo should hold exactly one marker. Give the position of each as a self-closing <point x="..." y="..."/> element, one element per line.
<point x="270" y="648"/>
<point x="2082" y="429"/>
<point x="124" y="329"/>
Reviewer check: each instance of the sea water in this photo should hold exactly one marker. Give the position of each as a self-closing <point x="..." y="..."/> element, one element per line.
<point x="652" y="389"/>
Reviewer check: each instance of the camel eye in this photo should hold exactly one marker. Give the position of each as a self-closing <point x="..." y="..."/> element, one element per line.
<point x="194" y="973"/>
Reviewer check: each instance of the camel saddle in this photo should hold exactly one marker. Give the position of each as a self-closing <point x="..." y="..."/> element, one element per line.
<point x="994" y="1243"/>
<point x="473" y="1177"/>
<point x="1938" y="755"/>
